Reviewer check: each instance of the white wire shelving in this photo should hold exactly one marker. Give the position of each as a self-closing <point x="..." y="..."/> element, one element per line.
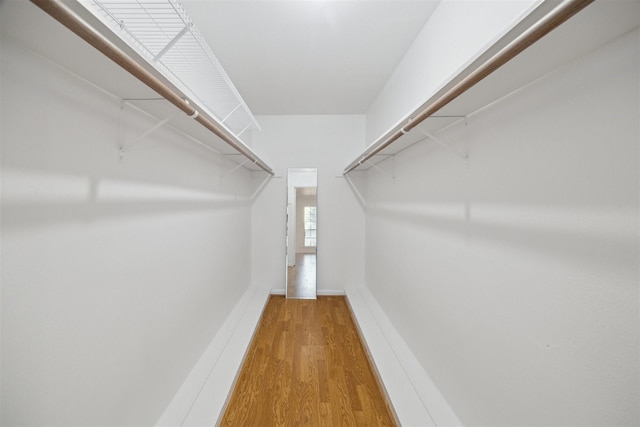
<point x="456" y="101"/>
<point x="163" y="33"/>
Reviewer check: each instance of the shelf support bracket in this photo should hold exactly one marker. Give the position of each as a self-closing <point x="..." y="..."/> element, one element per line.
<point x="458" y="153"/>
<point x="354" y="188"/>
<point x="261" y="187"/>
<point x="126" y="147"/>
<point x="243" y="130"/>
<point x="238" y="166"/>
<point x="231" y="113"/>
<point x="169" y="45"/>
<point x="376" y="167"/>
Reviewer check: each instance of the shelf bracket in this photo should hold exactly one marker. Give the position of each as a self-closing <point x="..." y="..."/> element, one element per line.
<point x="261" y="187"/>
<point x="238" y="166"/>
<point x="243" y="130"/>
<point x="458" y="153"/>
<point x="382" y="171"/>
<point x="354" y="188"/>
<point x="126" y="147"/>
<point x="172" y="43"/>
<point x="231" y="113"/>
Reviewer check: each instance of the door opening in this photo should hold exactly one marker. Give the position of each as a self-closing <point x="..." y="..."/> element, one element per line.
<point x="302" y="233"/>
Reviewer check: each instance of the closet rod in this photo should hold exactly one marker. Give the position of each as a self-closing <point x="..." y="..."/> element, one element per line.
<point x="476" y="72"/>
<point x="73" y="22"/>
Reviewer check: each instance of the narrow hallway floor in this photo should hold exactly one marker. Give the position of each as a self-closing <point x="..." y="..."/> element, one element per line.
<point x="307" y="366"/>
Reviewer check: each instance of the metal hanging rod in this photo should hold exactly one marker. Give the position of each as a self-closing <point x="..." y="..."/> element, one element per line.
<point x="515" y="41"/>
<point x="67" y="17"/>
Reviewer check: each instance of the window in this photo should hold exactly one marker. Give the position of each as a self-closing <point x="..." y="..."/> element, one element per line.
<point x="310" y="226"/>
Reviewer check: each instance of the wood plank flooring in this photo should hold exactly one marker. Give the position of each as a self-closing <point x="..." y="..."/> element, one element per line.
<point x="307" y="366"/>
<point x="301" y="279"/>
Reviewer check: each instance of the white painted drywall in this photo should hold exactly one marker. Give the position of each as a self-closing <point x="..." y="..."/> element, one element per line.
<point x="322" y="142"/>
<point x="514" y="279"/>
<point x="115" y="275"/>
<point x="456" y="33"/>
<point x="203" y="395"/>
<point x="414" y="397"/>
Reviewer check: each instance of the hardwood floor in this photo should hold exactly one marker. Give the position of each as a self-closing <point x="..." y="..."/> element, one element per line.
<point x="301" y="279"/>
<point x="307" y="366"/>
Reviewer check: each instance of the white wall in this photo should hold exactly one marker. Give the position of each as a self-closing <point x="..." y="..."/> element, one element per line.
<point x="456" y="33"/>
<point x="115" y="275"/>
<point x="514" y="279"/>
<point x="323" y="142"/>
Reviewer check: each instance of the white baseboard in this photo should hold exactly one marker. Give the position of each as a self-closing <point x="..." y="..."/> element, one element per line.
<point x="321" y="292"/>
<point x="330" y="292"/>
<point x="202" y="397"/>
<point x="414" y="396"/>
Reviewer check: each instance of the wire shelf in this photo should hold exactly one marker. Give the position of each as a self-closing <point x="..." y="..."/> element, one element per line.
<point x="162" y="32"/>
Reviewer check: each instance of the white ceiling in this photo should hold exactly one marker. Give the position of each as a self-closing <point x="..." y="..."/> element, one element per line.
<point x="309" y="56"/>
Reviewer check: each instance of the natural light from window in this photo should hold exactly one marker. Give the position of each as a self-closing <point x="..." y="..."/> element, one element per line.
<point x="310" y="226"/>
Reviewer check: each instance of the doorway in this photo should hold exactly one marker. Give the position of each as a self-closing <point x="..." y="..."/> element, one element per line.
<point x="302" y="232"/>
